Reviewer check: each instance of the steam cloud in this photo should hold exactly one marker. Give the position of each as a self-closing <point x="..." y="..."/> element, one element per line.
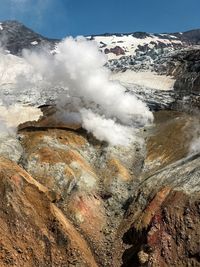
<point x="195" y="135"/>
<point x="195" y="146"/>
<point x="102" y="106"/>
<point x="195" y="143"/>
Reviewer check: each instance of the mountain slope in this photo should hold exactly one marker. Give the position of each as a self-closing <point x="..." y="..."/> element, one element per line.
<point x="144" y="63"/>
<point x="68" y="199"/>
<point x="14" y="37"/>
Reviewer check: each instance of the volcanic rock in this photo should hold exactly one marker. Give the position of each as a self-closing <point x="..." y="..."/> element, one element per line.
<point x="34" y="232"/>
<point x="68" y="199"/>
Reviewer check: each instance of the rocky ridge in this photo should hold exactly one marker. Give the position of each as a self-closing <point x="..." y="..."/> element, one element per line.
<point x="14" y="37"/>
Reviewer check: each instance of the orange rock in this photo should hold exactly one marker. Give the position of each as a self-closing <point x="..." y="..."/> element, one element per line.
<point x="34" y="232"/>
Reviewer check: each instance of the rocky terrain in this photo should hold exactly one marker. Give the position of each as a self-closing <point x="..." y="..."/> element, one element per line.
<point x="14" y="37"/>
<point x="68" y="199"/>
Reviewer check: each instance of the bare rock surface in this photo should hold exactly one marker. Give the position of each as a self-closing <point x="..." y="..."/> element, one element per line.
<point x="107" y="191"/>
<point x="90" y="181"/>
<point x="34" y="232"/>
<point x="161" y="227"/>
<point x="92" y="204"/>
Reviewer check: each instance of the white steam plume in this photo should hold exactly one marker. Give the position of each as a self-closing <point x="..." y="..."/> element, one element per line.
<point x="195" y="142"/>
<point x="103" y="106"/>
<point x="78" y="67"/>
<point x="195" y="146"/>
<point x="13" y="115"/>
<point x="106" y="129"/>
<point x="195" y="134"/>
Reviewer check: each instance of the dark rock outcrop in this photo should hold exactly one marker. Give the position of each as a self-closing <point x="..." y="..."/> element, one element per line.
<point x="117" y="50"/>
<point x="191" y="37"/>
<point x="15" y="37"/>
<point x="186" y="69"/>
<point x="162" y="224"/>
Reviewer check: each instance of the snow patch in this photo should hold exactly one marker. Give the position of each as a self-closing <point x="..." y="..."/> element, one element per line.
<point x="146" y="79"/>
<point x="130" y="44"/>
<point x="34" y="43"/>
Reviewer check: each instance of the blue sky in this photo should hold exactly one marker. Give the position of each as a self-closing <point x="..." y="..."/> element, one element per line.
<point x="59" y="18"/>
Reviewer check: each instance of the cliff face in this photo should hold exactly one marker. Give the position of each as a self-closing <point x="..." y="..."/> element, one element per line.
<point x="187" y="84"/>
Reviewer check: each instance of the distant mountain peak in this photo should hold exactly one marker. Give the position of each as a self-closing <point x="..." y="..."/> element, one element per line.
<point x="15" y="36"/>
